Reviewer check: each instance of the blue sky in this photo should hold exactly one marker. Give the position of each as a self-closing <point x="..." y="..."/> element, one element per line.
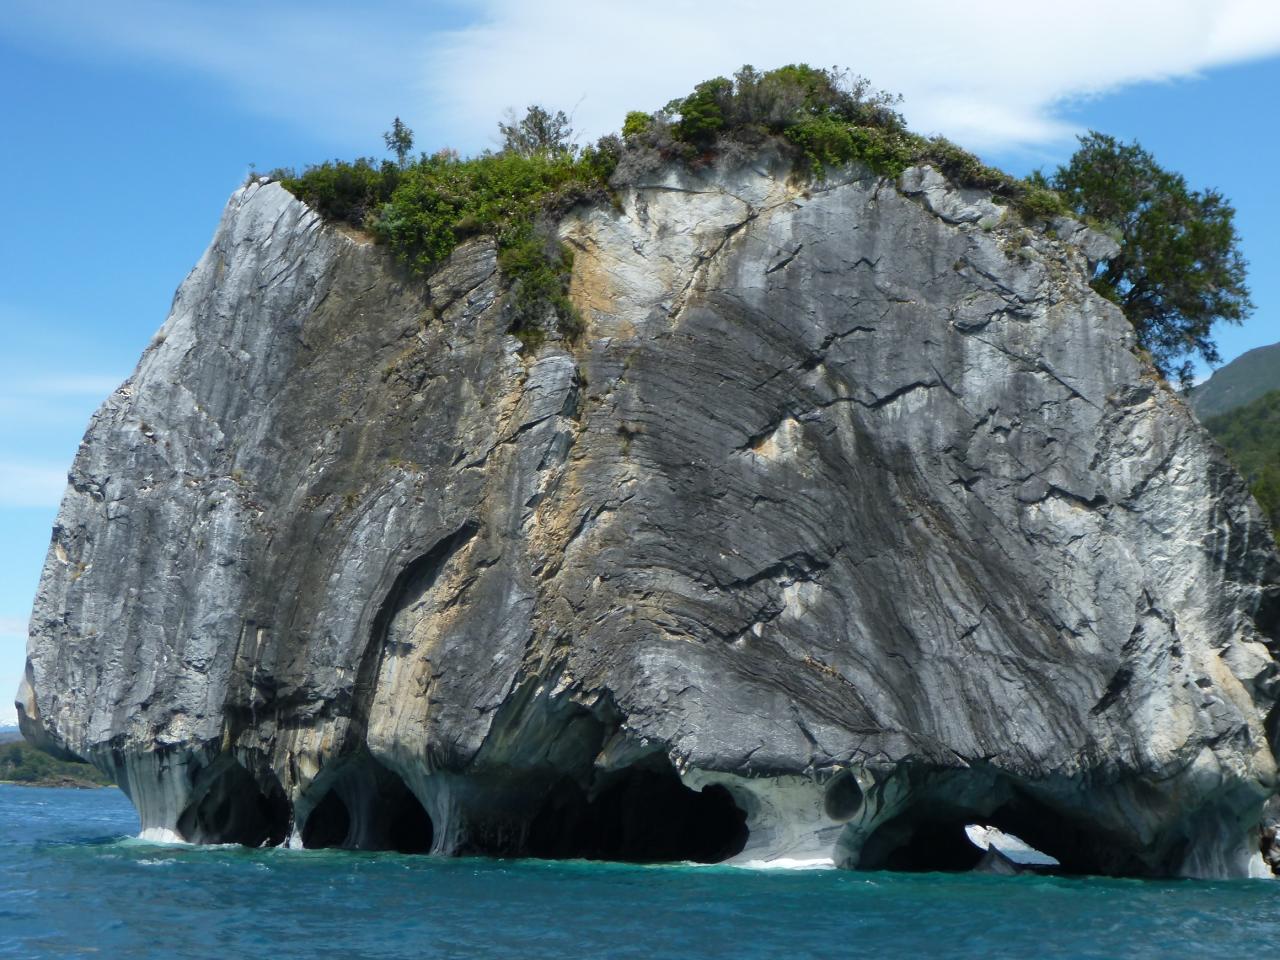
<point x="127" y="126"/>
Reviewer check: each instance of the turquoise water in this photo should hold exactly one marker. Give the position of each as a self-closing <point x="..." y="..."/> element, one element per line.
<point x="72" y="885"/>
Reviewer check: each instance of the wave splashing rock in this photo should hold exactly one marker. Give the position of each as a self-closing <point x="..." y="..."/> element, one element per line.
<point x="852" y="519"/>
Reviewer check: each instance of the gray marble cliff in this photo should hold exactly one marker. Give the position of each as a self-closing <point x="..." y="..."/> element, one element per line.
<point x="851" y="519"/>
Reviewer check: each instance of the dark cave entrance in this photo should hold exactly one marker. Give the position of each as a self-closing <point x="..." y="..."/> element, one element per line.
<point x="930" y="836"/>
<point x="328" y="824"/>
<point x="638" y="815"/>
<point x="921" y="845"/>
<point x="232" y="807"/>
<point x="367" y="807"/>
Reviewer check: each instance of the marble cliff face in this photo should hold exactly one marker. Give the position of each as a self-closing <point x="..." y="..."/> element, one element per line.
<point x="851" y="519"/>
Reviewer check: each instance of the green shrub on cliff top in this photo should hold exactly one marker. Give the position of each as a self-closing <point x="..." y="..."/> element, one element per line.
<point x="636" y="123"/>
<point x="827" y="142"/>
<point x="442" y="200"/>
<point x="345" y="191"/>
<point x="826" y="119"/>
<point x="424" y="209"/>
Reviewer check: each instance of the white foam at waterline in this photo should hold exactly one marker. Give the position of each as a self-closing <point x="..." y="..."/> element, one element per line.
<point x="161" y="835"/>
<point x="788" y="863"/>
<point x="1258" y="869"/>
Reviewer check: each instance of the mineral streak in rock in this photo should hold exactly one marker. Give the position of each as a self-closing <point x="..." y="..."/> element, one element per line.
<point x="852" y="519"/>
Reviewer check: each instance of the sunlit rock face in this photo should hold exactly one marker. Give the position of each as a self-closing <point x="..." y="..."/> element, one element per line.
<point x="851" y="520"/>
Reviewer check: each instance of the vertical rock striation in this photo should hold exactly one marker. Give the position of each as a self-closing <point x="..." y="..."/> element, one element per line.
<point x="850" y="520"/>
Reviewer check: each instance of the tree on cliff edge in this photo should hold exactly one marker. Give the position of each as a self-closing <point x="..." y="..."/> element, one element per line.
<point x="539" y="132"/>
<point x="1179" y="270"/>
<point x="399" y="140"/>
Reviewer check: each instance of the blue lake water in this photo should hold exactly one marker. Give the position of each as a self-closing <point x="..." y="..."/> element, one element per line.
<point x="73" y="884"/>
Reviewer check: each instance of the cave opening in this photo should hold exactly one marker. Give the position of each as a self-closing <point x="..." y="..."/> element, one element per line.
<point x="638" y="815"/>
<point x="328" y="824"/>
<point x="409" y="828"/>
<point x="368" y="807"/>
<point x="931" y="836"/>
<point x="234" y="808"/>
<point x="917" y="844"/>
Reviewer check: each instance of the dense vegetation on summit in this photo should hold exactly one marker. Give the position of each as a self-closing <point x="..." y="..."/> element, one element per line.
<point x="1179" y="271"/>
<point x="1251" y="434"/>
<point x="824" y="119"/>
<point x="422" y="208"/>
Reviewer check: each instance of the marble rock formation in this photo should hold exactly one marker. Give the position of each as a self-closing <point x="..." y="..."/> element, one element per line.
<point x="853" y="518"/>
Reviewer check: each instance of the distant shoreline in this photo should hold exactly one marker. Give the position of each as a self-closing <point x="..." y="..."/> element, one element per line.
<point x="59" y="783"/>
<point x="23" y="765"/>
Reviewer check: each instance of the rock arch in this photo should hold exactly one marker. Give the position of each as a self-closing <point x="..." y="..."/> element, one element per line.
<point x="228" y="804"/>
<point x="925" y="832"/>
<point x="364" y="806"/>
<point x="640" y="814"/>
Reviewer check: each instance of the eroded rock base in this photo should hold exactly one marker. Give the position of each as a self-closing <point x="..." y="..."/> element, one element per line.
<point x="898" y="818"/>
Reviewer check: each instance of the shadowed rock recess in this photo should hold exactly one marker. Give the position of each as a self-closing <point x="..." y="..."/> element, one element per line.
<point x="852" y="518"/>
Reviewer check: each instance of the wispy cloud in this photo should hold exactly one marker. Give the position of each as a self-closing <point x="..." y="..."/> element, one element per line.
<point x="990" y="73"/>
<point x="334" y="67"/>
<point x="51" y="402"/>
<point x="63" y="385"/>
<point x="20" y="380"/>
<point x="25" y="484"/>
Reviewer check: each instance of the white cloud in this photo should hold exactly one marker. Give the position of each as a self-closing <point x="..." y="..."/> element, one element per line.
<point x="25" y="484"/>
<point x="989" y="73"/>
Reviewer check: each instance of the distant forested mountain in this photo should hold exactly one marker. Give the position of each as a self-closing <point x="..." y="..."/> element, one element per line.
<point x="1243" y="380"/>
<point x="22" y="763"/>
<point x="1251" y="434"/>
